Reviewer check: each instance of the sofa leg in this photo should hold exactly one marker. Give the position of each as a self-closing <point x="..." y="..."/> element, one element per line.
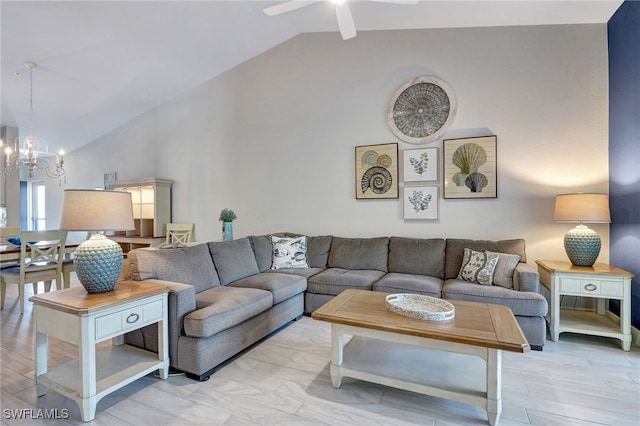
<point x="536" y="348"/>
<point x="202" y="377"/>
<point x="298" y="318"/>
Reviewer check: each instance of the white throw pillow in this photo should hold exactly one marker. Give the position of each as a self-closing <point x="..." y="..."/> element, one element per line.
<point x="477" y="267"/>
<point x="289" y="253"/>
<point x="503" y="274"/>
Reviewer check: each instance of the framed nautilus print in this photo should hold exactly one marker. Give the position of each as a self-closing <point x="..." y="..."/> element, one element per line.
<point x="470" y="167"/>
<point x="421" y="110"/>
<point x="377" y="171"/>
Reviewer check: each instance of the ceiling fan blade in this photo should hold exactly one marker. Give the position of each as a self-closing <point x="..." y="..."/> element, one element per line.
<point x="287" y="6"/>
<point x="345" y="21"/>
<point x="397" y="1"/>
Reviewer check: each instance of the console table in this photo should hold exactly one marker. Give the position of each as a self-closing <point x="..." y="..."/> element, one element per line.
<point x="83" y="319"/>
<point x="600" y="281"/>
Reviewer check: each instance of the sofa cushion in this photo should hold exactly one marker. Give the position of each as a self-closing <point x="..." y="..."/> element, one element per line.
<point x="503" y="274"/>
<point x="261" y="246"/>
<point x="220" y="308"/>
<point x="234" y="260"/>
<point x="289" y="253"/>
<point x="523" y="303"/>
<point x="318" y="251"/>
<point x="334" y="280"/>
<point x="359" y="253"/>
<point x="308" y="272"/>
<point x="455" y="251"/>
<point x="189" y="265"/>
<point x="281" y="286"/>
<point x="409" y="283"/>
<point x="417" y="256"/>
<point x="477" y="266"/>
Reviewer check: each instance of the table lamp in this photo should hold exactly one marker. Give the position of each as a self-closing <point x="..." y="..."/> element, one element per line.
<point x="98" y="260"/>
<point x="582" y="244"/>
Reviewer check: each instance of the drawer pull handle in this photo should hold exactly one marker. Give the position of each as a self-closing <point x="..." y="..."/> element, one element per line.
<point x="590" y="287"/>
<point x="132" y="318"/>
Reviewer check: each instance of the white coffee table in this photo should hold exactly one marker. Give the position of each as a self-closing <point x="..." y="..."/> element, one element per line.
<point x="458" y="359"/>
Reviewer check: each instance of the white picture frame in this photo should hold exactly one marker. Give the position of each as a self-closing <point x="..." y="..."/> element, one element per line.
<point x="420" y="165"/>
<point x="421" y="202"/>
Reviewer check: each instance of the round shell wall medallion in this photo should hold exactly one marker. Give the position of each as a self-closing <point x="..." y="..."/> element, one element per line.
<point x="421" y="110"/>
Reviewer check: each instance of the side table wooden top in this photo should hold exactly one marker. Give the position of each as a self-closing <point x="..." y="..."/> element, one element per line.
<point x="598" y="268"/>
<point x="479" y="324"/>
<point x="76" y="300"/>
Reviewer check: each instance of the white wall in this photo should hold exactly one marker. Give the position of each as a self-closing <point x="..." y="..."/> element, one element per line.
<point x="274" y="138"/>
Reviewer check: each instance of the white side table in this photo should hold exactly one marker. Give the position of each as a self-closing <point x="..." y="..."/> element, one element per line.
<point x="600" y="281"/>
<point x="83" y="319"/>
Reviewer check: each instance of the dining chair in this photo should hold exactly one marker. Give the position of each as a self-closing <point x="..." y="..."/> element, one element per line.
<point x="179" y="233"/>
<point x="41" y="255"/>
<point x="11" y="232"/>
<point x="68" y="266"/>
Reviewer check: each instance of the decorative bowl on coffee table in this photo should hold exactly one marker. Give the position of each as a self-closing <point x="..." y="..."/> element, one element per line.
<point x="421" y="307"/>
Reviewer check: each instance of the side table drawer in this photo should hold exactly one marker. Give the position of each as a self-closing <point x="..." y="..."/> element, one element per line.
<point x="129" y="319"/>
<point x="591" y="287"/>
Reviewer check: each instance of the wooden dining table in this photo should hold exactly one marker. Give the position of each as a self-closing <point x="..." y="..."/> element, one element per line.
<point x="11" y="252"/>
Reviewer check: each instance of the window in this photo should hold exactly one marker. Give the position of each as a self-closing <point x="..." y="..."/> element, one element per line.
<point x="36" y="206"/>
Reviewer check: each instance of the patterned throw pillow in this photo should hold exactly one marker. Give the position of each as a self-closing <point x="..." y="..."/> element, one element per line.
<point x="478" y="267"/>
<point x="503" y="274"/>
<point x="289" y="253"/>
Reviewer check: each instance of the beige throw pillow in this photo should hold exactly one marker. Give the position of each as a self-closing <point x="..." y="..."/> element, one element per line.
<point x="503" y="274"/>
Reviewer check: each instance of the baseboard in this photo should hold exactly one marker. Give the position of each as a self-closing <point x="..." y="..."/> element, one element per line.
<point x="635" y="336"/>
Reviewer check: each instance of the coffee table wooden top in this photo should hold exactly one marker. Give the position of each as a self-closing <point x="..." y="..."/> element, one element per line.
<point x="478" y="324"/>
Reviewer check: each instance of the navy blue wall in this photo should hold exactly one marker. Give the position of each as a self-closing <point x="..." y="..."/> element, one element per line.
<point x="624" y="144"/>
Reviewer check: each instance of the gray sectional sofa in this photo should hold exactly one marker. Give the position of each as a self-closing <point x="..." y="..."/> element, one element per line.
<point x="225" y="296"/>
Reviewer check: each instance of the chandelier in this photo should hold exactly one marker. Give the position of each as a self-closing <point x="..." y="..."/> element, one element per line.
<point x="29" y="153"/>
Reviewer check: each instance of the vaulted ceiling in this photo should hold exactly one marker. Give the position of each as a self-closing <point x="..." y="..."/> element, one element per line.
<point x="102" y="63"/>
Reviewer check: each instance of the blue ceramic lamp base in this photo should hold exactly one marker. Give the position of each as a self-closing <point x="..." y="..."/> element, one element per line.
<point x="98" y="263"/>
<point x="582" y="245"/>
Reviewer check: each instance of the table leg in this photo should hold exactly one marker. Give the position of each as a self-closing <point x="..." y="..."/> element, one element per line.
<point x="88" y="376"/>
<point x="625" y="319"/>
<point x="554" y="322"/>
<point x="41" y="360"/>
<point x="494" y="385"/>
<point x="163" y="349"/>
<point x="336" y="355"/>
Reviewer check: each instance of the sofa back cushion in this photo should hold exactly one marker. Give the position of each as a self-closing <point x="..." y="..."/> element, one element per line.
<point x="359" y="253"/>
<point x="189" y="265"/>
<point x="455" y="251"/>
<point x="318" y="248"/>
<point x="262" y="249"/>
<point x="417" y="256"/>
<point x="234" y="260"/>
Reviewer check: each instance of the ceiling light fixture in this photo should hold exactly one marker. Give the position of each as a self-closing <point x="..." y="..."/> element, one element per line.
<point x="29" y="154"/>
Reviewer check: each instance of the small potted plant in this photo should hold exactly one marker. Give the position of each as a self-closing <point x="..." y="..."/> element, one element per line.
<point x="227" y="216"/>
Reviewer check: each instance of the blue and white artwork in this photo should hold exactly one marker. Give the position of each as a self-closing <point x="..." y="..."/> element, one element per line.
<point x="421" y="202"/>
<point x="421" y="165"/>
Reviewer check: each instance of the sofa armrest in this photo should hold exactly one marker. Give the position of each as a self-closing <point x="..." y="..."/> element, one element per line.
<point x="181" y="301"/>
<point x="526" y="278"/>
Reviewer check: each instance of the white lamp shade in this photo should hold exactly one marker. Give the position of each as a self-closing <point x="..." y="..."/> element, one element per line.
<point x="94" y="210"/>
<point x="582" y="207"/>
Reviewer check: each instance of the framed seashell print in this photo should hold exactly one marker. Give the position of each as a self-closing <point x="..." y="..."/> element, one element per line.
<point x="377" y="171"/>
<point x="470" y="167"/>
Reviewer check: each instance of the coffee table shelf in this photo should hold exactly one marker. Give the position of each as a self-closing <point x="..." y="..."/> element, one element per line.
<point x="446" y="374"/>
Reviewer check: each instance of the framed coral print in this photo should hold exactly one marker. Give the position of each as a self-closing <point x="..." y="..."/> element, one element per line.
<point x="470" y="167"/>
<point x="420" y="165"/>
<point x="377" y="171"/>
<point x="421" y="202"/>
